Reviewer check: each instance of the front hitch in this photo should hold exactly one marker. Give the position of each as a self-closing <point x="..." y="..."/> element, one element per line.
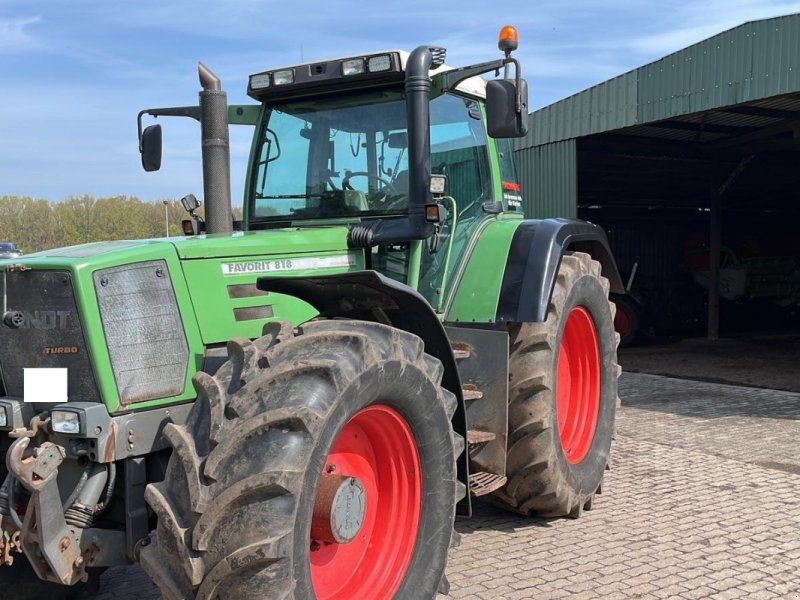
<point x="52" y="547"/>
<point x="9" y="532"/>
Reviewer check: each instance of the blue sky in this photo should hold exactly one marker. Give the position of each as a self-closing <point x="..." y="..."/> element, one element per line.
<point x="73" y="74"/>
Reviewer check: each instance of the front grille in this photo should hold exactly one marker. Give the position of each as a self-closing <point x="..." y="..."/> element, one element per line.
<point x="144" y="331"/>
<point x="51" y="334"/>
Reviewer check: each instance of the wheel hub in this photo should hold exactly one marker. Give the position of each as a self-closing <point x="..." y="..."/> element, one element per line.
<point x="339" y="509"/>
<point x="369" y="495"/>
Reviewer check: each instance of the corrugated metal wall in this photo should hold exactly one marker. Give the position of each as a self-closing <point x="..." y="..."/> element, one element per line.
<point x="548" y="175"/>
<point x="609" y="105"/>
<point x="756" y="60"/>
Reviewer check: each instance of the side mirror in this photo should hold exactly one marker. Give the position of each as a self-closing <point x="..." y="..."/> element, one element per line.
<point x="150" y="147"/>
<point x="502" y="118"/>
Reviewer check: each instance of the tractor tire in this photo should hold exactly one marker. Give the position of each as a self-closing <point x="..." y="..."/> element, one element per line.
<point x="319" y="463"/>
<point x="562" y="397"/>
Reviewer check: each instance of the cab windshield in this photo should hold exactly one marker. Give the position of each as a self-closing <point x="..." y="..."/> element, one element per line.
<point x="347" y="156"/>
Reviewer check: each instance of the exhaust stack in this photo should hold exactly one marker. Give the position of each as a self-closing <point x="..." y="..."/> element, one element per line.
<point x="215" y="141"/>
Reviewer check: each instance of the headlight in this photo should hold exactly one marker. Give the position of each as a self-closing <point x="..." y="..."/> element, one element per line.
<point x="382" y="62"/>
<point x="283" y="77"/>
<point x="259" y="81"/>
<point x="65" y="421"/>
<point x="354" y="66"/>
<point x="14" y="414"/>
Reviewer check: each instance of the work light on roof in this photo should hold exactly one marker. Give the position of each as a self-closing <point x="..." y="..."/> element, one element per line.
<point x="382" y="62"/>
<point x="353" y="66"/>
<point x="283" y="77"/>
<point x="259" y="81"/>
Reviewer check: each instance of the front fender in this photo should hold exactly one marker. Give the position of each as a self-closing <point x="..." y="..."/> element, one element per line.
<point x="533" y="261"/>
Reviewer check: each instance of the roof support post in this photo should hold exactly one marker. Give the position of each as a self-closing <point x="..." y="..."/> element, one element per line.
<point x="715" y="242"/>
<point x="713" y="264"/>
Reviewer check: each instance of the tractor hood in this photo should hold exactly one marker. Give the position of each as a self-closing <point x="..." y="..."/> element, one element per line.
<point x="219" y="272"/>
<point x="190" y="295"/>
<point x="276" y="241"/>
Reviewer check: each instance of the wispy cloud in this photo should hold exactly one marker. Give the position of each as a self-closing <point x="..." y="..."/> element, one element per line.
<point x="15" y="34"/>
<point x="696" y="21"/>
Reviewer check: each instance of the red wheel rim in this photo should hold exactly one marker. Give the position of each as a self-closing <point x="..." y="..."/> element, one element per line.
<point x="578" y="385"/>
<point x="377" y="447"/>
<point x="622" y="321"/>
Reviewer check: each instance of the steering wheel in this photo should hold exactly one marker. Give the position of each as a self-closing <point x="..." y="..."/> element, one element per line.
<point x="348" y="175"/>
<point x="375" y="199"/>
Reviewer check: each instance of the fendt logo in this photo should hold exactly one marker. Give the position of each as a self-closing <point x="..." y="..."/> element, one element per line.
<point x="46" y="319"/>
<point x="61" y="350"/>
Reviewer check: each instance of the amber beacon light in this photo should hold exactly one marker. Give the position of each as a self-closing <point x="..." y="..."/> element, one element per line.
<point x="509" y="39"/>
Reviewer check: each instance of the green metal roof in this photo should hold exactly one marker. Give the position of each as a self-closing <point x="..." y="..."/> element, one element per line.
<point x="757" y="60"/>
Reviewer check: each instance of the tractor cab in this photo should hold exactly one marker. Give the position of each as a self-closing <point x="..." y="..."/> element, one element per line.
<point x="345" y="154"/>
<point x="396" y="146"/>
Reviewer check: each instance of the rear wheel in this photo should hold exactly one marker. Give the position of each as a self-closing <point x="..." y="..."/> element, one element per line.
<point x="317" y="464"/>
<point x="562" y="397"/>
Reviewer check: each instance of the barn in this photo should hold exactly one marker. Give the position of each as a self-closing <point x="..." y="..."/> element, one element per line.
<point x="690" y="164"/>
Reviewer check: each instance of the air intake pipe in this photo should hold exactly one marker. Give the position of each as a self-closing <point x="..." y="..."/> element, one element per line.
<point x="418" y="89"/>
<point x="215" y="142"/>
<point x="415" y="227"/>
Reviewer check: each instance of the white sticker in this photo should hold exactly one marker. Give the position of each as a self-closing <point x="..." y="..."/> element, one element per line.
<point x="277" y="265"/>
<point x="45" y="385"/>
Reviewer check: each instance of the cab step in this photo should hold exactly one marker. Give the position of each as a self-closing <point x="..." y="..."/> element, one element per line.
<point x="460" y="351"/>
<point x="482" y="483"/>
<point x="471" y="392"/>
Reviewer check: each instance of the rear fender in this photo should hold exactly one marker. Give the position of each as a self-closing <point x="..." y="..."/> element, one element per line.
<point x="533" y="261"/>
<point x="369" y="296"/>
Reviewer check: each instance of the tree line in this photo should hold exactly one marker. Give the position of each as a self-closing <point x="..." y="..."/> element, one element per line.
<point x="36" y="224"/>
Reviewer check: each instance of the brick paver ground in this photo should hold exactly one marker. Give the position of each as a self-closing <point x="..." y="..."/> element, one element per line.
<point x="703" y="501"/>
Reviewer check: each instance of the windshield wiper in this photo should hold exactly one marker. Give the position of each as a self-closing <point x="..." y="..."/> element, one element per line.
<point x="286" y="196"/>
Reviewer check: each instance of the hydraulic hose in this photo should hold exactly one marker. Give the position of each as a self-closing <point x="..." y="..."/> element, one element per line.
<point x="12" y="505"/>
<point x="81" y="513"/>
<point x="112" y="479"/>
<point x="79" y="487"/>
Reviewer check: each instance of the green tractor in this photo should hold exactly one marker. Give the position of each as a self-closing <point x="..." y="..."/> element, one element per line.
<point x="298" y="406"/>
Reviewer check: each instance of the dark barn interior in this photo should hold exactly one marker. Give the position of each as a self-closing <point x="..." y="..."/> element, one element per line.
<point x="663" y="189"/>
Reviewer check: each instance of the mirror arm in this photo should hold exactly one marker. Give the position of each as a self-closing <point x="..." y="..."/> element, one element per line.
<point x="174" y="111"/>
<point x="518" y="79"/>
<point x="456" y="76"/>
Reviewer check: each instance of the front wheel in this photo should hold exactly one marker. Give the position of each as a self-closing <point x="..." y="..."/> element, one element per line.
<point x="316" y="464"/>
<point x="562" y="397"/>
